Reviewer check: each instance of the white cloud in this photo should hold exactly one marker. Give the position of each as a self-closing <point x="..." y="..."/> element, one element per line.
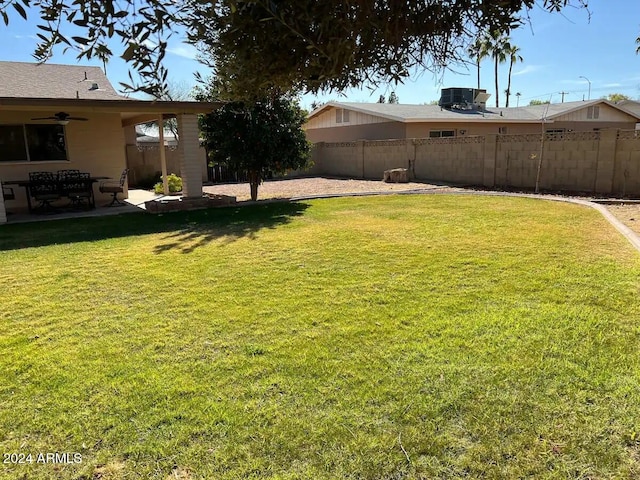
<point x="612" y="85"/>
<point x="30" y="37"/>
<point x="185" y="50"/>
<point x="529" y="69"/>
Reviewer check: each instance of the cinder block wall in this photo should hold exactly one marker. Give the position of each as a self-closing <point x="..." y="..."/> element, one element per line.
<point x="605" y="162"/>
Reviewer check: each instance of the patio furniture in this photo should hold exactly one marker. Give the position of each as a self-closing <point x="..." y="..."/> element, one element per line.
<point x="114" y="187"/>
<point x="77" y="187"/>
<point x="43" y="187"/>
<point x="8" y="193"/>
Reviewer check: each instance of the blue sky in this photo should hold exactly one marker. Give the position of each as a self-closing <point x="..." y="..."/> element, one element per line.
<point x="557" y="50"/>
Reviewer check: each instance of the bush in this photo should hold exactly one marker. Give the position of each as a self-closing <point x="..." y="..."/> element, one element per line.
<point x="175" y="184"/>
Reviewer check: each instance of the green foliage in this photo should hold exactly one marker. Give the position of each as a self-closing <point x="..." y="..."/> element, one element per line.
<point x="173" y="181"/>
<point x="538" y="102"/>
<point x="617" y="97"/>
<point x="260" y="138"/>
<point x="330" y="45"/>
<point x="393" y="98"/>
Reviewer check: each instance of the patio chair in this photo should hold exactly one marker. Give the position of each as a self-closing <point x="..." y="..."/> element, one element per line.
<point x="78" y="188"/>
<point x="7" y="193"/>
<point x="43" y="187"/>
<point x="114" y="187"/>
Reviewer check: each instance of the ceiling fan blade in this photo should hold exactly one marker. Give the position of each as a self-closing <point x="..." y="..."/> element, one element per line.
<point x="45" y="118"/>
<point x="82" y="119"/>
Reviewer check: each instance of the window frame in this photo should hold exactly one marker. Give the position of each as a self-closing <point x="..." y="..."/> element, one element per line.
<point x="440" y="133"/>
<point x="342" y="115"/>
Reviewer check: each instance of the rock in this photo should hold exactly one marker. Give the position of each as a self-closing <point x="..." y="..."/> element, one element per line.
<point x="396" y="175"/>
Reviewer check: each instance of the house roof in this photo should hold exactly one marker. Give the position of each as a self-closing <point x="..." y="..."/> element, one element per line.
<point x="631" y="106"/>
<point x="47" y="80"/>
<point x="422" y="113"/>
<point x="38" y="87"/>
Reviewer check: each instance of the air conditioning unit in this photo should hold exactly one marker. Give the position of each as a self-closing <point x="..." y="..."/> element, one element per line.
<point x="458" y="98"/>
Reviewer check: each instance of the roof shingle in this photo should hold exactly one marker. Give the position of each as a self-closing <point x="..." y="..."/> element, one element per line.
<point x="32" y="80"/>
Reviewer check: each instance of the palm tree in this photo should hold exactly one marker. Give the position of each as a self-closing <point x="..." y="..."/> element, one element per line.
<point x="514" y="56"/>
<point x="478" y="51"/>
<point x="497" y="45"/>
<point x="518" y="95"/>
<point x="638" y="43"/>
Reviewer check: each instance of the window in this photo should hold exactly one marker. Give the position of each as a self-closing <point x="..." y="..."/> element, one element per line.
<point x="442" y="133"/>
<point x="593" y="112"/>
<point x="35" y="143"/>
<point x="342" y="115"/>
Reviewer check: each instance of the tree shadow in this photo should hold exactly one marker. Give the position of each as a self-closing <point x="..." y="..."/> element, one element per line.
<point x="239" y="223"/>
<point x="186" y="231"/>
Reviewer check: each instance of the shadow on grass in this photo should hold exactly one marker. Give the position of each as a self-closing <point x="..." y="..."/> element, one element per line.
<point x="186" y="230"/>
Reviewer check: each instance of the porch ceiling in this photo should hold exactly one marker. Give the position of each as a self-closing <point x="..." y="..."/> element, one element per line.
<point x="131" y="111"/>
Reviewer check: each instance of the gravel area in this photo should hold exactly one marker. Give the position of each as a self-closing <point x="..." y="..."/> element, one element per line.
<point x="628" y="214"/>
<point x="300" y="187"/>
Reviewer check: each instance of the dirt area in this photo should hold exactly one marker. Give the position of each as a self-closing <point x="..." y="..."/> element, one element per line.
<point x="299" y="187"/>
<point x="627" y="214"/>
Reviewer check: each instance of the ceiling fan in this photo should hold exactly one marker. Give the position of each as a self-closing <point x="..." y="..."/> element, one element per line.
<point x="62" y="118"/>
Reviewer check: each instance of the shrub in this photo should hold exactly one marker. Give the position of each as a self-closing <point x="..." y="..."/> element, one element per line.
<point x="175" y="184"/>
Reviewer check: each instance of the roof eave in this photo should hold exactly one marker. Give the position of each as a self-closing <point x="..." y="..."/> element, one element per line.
<point x="115" y="105"/>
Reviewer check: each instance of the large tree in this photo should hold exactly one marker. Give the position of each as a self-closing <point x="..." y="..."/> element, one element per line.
<point x="261" y="44"/>
<point x="513" y="53"/>
<point x="262" y="137"/>
<point x="477" y="51"/>
<point x="498" y="46"/>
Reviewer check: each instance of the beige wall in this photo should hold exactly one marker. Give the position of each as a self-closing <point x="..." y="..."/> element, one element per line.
<point x="376" y="131"/>
<point x="606" y="162"/>
<point x="96" y="146"/>
<point x="397" y="130"/>
<point x="422" y="129"/>
<point x="327" y="119"/>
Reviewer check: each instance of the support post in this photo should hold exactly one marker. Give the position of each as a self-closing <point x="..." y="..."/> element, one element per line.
<point x="163" y="155"/>
<point x="190" y="156"/>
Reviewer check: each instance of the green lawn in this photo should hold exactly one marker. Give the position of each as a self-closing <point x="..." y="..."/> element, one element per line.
<point x="365" y="338"/>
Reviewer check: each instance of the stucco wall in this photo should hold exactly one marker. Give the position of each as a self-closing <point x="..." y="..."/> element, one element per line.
<point x="373" y="131"/>
<point x="96" y="146"/>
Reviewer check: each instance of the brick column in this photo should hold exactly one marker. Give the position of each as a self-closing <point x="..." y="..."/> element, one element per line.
<point x="606" y="161"/>
<point x="189" y="155"/>
<point x="489" y="170"/>
<point x="410" y="147"/>
<point x="360" y="156"/>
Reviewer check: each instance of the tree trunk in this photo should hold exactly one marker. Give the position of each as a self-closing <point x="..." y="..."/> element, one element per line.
<point x="254" y="182"/>
<point x="509" y="82"/>
<point x="496" y="74"/>
<point x="478" y="65"/>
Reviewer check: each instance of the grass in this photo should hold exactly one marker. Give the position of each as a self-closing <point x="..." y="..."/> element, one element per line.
<point x="363" y="338"/>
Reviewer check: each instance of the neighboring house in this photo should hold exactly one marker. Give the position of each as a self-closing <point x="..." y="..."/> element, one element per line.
<point x="631" y="106"/>
<point x="35" y="134"/>
<point x="343" y="122"/>
<point x="149" y="137"/>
